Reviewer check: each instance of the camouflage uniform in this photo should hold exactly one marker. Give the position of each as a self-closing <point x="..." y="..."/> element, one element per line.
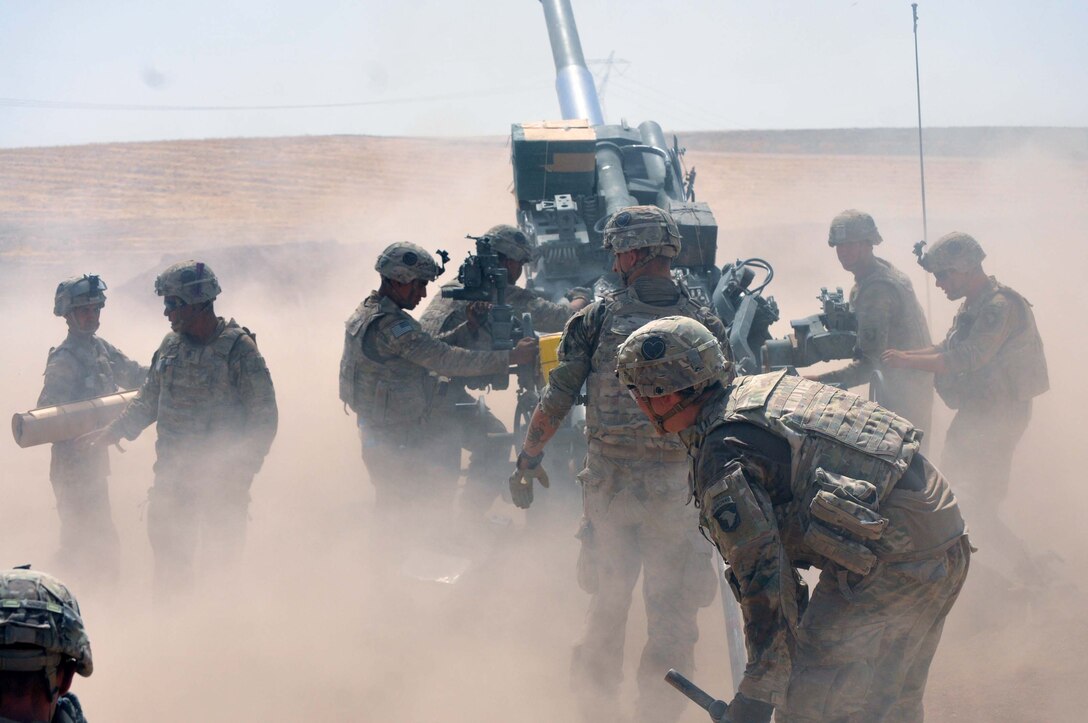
<point x="994" y="367"/>
<point x="215" y="412"/>
<point x="389" y="376"/>
<point x="889" y="317"/>
<point x="40" y="630"/>
<point x="791" y="473"/>
<point x="634" y="488"/>
<point x="85" y="366"/>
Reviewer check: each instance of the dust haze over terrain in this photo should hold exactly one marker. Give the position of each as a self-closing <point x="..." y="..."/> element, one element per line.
<point x="319" y="623"/>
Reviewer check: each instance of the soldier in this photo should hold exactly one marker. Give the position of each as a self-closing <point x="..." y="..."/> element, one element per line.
<point x="889" y="317"/>
<point x="989" y="367"/>
<point x="85" y="366"/>
<point x="789" y="473"/>
<point x="460" y="323"/>
<point x="634" y="484"/>
<point x="42" y="646"/>
<point x="210" y="394"/>
<point x="389" y="377"/>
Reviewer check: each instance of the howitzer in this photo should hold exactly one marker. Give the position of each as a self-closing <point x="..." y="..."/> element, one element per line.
<point x="62" y="422"/>
<point x="832" y="334"/>
<point x="718" y="709"/>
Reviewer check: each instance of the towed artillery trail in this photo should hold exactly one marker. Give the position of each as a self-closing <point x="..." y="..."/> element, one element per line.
<point x="311" y="628"/>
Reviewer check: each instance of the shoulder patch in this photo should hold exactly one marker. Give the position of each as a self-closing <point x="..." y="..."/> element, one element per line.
<point x="401" y="328"/>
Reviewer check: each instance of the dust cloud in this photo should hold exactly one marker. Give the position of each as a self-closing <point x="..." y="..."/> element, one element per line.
<point x="323" y="621"/>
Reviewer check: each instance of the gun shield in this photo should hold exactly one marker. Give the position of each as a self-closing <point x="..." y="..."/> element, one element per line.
<point x="67" y="421"/>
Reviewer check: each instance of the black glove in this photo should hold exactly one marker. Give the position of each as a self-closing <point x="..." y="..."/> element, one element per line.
<point x="748" y="710"/>
<point x="521" y="482"/>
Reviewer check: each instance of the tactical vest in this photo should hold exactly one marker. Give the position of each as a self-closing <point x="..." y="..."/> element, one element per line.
<point x="612" y="416"/>
<point x="912" y="332"/>
<point x="1018" y="370"/>
<point x="386" y="392"/>
<point x="847" y="454"/>
<point x="93" y="359"/>
<point x="196" y="397"/>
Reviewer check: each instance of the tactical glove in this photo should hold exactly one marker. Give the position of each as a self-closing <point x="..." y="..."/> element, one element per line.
<point x="748" y="710"/>
<point x="521" y="482"/>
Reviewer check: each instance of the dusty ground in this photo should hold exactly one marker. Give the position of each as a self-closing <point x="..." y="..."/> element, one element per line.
<point x="315" y="627"/>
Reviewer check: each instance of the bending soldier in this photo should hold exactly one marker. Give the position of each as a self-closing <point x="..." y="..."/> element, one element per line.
<point x="42" y="647"/>
<point x="458" y="323"/>
<point x="85" y="366"/>
<point x="989" y="368"/>
<point x="889" y="317"/>
<point x="211" y="397"/>
<point x="789" y="473"/>
<point x="634" y="484"/>
<point x="389" y="377"/>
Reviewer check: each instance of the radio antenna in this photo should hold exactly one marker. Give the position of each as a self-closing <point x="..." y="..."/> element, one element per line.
<point x="918" y="248"/>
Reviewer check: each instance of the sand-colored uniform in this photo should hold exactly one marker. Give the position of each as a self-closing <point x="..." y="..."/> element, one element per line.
<point x="85" y="366"/>
<point x="636" y="518"/>
<point x="489" y="460"/>
<point x="995" y="366"/>
<point x="889" y="317"/>
<point x="390" y="376"/>
<point x="792" y="473"/>
<point x="215" y="413"/>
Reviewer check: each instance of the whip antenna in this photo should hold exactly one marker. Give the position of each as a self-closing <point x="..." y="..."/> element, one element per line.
<point x="921" y="157"/>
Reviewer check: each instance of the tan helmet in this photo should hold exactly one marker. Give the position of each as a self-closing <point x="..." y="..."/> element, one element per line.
<point x="642" y="227"/>
<point x="511" y="242"/>
<point x="191" y="281"/>
<point x="405" y="262"/>
<point x="40" y="625"/>
<point x="86" y="290"/>
<point x="852" y="226"/>
<point x="669" y="355"/>
<point x="955" y="251"/>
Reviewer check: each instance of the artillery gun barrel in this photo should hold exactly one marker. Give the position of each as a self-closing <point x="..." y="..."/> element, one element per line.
<point x="573" y="81"/>
<point x="67" y="421"/>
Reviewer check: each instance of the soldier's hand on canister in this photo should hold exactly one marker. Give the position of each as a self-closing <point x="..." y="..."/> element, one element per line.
<point x="521" y="482"/>
<point x="99" y="438"/>
<point x="748" y="710"/>
<point x="526" y="351"/>
<point x="476" y="312"/>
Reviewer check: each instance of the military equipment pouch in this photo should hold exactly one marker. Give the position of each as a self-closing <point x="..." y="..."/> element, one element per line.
<point x="848" y="505"/>
<point x="829" y="543"/>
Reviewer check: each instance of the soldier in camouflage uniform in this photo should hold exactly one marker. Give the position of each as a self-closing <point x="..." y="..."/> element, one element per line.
<point x="989" y="368"/>
<point x="85" y="366"/>
<point x="634" y="484"/>
<point x="211" y="397"/>
<point x="789" y="473"/>
<point x="889" y="317"/>
<point x="457" y="323"/>
<point x="42" y="647"/>
<point x="389" y="377"/>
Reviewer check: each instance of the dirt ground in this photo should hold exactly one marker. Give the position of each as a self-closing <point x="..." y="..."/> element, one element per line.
<point x="323" y="621"/>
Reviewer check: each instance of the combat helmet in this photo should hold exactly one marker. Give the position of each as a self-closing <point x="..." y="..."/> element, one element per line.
<point x="955" y="251"/>
<point x="406" y="262"/>
<point x="193" y="282"/>
<point x="852" y="226"/>
<point x="40" y="625"/>
<point x="640" y="227"/>
<point x="86" y="290"/>
<point x="511" y="242"/>
<point x="669" y="355"/>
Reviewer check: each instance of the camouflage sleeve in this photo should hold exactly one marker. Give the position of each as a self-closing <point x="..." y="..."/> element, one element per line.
<point x="575" y="361"/>
<point x="991" y="328"/>
<point x="258" y="397"/>
<point x="127" y="373"/>
<point x="875" y="307"/>
<point x="717" y="328"/>
<point x="732" y="487"/>
<point x="549" y="316"/>
<point x="403" y="337"/>
<point x="144" y="408"/>
<point x="62" y="380"/>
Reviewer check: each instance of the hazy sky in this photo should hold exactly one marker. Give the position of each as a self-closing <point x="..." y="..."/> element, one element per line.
<point x="471" y="68"/>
